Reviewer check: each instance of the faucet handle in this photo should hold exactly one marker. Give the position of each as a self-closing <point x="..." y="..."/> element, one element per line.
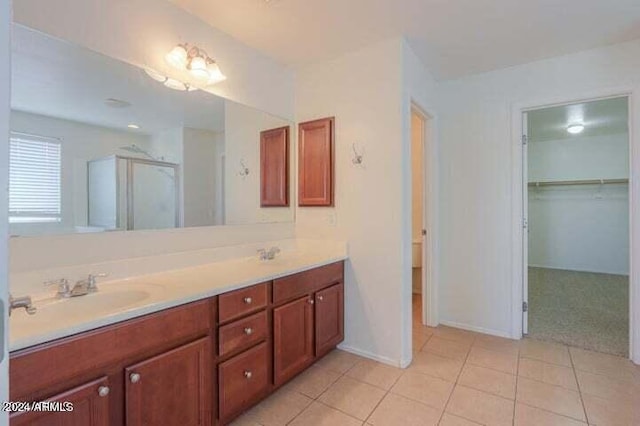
<point x="275" y="249"/>
<point x="91" y="280"/>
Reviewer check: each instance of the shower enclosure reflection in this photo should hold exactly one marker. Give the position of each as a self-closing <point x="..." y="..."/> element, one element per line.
<point x="129" y="193"/>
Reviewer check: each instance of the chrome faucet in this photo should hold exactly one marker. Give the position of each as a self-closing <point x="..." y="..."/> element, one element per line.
<point x="268" y="254"/>
<point x="21" y="302"/>
<point x="80" y="288"/>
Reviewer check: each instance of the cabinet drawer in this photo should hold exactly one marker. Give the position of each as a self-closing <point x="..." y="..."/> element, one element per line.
<point x="241" y="302"/>
<point x="243" y="333"/>
<point x="306" y="282"/>
<point x="243" y="380"/>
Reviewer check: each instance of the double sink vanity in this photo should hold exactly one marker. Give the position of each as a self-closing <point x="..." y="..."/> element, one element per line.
<point x="170" y="349"/>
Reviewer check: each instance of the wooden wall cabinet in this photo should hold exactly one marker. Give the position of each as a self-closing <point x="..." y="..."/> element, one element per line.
<point x="316" y="163"/>
<point x="199" y="364"/>
<point x="274" y="167"/>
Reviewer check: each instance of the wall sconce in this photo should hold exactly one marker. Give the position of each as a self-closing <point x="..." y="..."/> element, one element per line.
<point x="357" y="157"/>
<point x="244" y="170"/>
<point x="197" y="62"/>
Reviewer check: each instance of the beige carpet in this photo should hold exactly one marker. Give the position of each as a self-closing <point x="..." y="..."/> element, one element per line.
<point x="581" y="309"/>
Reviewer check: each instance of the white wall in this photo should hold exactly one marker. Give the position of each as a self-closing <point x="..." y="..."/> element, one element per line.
<point x="80" y="143"/>
<point x="242" y="127"/>
<point x="581" y="228"/>
<point x="201" y="154"/>
<point x="476" y="178"/>
<point x="5" y="89"/>
<point x="141" y="32"/>
<point x="370" y="100"/>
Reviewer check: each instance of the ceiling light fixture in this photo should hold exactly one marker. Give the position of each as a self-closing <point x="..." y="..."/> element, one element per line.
<point x="576" y="128"/>
<point x="133" y="126"/>
<point x="202" y="67"/>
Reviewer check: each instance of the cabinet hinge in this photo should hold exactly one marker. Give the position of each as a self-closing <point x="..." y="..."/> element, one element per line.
<point x="525" y="139"/>
<point x="525" y="307"/>
<point x="525" y="223"/>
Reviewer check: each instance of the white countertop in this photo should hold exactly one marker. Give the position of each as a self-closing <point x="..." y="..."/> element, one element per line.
<point x="124" y="299"/>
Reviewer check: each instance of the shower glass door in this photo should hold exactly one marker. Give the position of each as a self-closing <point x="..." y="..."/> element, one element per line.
<point x="153" y="195"/>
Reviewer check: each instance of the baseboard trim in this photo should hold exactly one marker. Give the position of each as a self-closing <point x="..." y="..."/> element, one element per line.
<point x="375" y="357"/>
<point x="557" y="268"/>
<point x="482" y="330"/>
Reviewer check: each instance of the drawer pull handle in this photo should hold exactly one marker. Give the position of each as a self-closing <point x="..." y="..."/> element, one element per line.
<point x="103" y="391"/>
<point x="248" y="331"/>
<point x="248" y="374"/>
<point x="311" y="301"/>
<point x="248" y="300"/>
<point x="134" y="377"/>
<point x="320" y="298"/>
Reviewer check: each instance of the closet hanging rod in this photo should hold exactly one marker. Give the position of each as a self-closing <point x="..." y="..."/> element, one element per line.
<point x="578" y="182"/>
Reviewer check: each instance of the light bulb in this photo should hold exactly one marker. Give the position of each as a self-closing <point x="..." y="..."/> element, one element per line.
<point x="177" y="57"/>
<point x="575" y="128"/>
<point x="175" y="84"/>
<point x="198" y="68"/>
<point x="215" y="75"/>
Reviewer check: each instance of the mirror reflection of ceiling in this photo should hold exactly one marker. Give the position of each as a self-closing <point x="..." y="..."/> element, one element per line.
<point x="601" y="117"/>
<point x="55" y="78"/>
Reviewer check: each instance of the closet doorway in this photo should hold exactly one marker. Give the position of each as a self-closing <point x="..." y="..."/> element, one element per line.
<point x="576" y="244"/>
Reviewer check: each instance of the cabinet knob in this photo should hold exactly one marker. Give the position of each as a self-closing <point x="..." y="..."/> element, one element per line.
<point x="103" y="390"/>
<point x="311" y="301"/>
<point x="134" y="377"/>
<point x="320" y="298"/>
<point x="248" y="300"/>
<point x="248" y="331"/>
<point x="248" y="374"/>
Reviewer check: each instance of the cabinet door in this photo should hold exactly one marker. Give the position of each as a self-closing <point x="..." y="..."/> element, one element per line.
<point x="315" y="163"/>
<point x="173" y="388"/>
<point x="329" y="318"/>
<point x="274" y="167"/>
<point x="90" y="408"/>
<point x="292" y="338"/>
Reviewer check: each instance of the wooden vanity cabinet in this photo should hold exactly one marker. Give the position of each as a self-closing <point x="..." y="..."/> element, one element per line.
<point x="90" y="407"/>
<point x="199" y="364"/>
<point x="173" y="388"/>
<point x="293" y="329"/>
<point x="311" y="324"/>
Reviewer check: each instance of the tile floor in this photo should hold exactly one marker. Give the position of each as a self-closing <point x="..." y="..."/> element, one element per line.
<point x="460" y="378"/>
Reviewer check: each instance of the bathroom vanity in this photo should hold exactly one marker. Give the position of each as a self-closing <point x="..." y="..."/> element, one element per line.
<point x="199" y="363"/>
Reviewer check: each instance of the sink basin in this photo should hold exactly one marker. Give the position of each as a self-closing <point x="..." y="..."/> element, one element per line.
<point x="108" y="299"/>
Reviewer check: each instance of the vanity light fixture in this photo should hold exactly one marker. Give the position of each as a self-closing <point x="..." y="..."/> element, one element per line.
<point x="575" y="128"/>
<point x="197" y="62"/>
<point x="171" y="83"/>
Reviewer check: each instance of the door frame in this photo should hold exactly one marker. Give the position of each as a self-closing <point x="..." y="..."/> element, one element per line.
<point x="430" y="314"/>
<point x="518" y="262"/>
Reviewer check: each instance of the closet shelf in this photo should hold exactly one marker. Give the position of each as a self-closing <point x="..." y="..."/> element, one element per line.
<point x="578" y="182"/>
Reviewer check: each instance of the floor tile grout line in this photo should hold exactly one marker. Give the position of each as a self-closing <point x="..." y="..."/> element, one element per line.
<point x="552" y="412"/>
<point x="575" y="374"/>
<point x="383" y="397"/>
<point x="455" y="384"/>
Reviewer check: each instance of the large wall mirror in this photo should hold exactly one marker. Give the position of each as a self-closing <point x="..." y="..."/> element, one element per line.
<point x="97" y="145"/>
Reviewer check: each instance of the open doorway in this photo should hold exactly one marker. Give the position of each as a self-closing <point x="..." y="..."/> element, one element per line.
<point x="422" y="220"/>
<point x="576" y="246"/>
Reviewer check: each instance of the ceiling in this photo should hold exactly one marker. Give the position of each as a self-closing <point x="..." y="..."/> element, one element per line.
<point x="452" y="37"/>
<point x="602" y="117"/>
<point x="58" y="79"/>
